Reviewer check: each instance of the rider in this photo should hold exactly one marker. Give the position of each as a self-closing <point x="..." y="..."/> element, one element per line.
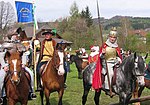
<point x="18" y="46"/>
<point x="46" y="53"/>
<point x="84" y="54"/>
<point x="93" y="57"/>
<point x="66" y="66"/>
<point x="109" y="52"/>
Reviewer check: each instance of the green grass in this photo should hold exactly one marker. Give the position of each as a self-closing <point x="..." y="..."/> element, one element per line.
<point x="73" y="94"/>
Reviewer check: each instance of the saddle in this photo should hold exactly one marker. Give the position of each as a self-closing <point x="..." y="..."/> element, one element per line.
<point x="42" y="69"/>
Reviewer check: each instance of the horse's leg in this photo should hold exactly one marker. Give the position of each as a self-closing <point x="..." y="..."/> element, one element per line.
<point x="96" y="97"/>
<point x="80" y="74"/>
<point x="47" y="94"/>
<point x="127" y="99"/>
<point x="140" y="91"/>
<point x="135" y="94"/>
<point x="85" y="94"/>
<point x="11" y="101"/>
<point x="60" y="95"/>
<point x="42" y="96"/>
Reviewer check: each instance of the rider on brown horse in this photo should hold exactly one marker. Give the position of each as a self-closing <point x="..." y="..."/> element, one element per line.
<point x="46" y="53"/>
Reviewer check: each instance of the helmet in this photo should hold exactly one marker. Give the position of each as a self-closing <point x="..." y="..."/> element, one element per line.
<point x="113" y="32"/>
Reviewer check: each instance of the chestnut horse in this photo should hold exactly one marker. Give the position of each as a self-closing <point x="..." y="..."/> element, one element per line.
<point x="139" y="90"/>
<point x="16" y="82"/>
<point x="53" y="78"/>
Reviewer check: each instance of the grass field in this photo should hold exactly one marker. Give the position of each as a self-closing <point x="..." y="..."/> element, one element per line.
<point x="73" y="94"/>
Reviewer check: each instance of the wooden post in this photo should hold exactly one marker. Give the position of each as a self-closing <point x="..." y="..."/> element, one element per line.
<point x="34" y="63"/>
<point x="139" y="99"/>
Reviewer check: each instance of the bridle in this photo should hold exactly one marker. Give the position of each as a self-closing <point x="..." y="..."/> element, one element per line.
<point x="14" y="73"/>
<point x="11" y="77"/>
<point x="135" y="74"/>
<point x="56" y="65"/>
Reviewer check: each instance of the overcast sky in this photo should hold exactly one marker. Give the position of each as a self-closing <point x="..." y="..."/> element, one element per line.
<point x="50" y="10"/>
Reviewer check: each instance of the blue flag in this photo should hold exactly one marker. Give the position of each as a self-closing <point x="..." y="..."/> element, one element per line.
<point x="24" y="11"/>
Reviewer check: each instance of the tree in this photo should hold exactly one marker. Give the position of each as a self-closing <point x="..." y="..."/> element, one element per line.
<point x="123" y="31"/>
<point x="7" y="16"/>
<point x="74" y="11"/>
<point x="148" y="42"/>
<point x="87" y="15"/>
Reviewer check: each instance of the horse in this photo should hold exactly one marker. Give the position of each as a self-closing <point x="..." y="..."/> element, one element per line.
<point x="80" y="64"/>
<point x="147" y="84"/>
<point x="139" y="89"/>
<point x="129" y="71"/>
<point x="17" y="81"/>
<point x="53" y="77"/>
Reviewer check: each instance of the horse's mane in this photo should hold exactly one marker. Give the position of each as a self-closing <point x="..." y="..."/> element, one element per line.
<point x="127" y="64"/>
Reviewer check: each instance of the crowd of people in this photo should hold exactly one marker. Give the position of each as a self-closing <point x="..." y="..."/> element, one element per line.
<point x="106" y="56"/>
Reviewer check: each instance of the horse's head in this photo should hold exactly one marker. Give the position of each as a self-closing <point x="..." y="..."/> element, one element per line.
<point x="139" y="68"/>
<point x="72" y="58"/>
<point x="58" y="60"/>
<point x="14" y="61"/>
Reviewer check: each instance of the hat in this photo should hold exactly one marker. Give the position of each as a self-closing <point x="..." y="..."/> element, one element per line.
<point x="95" y="48"/>
<point x="113" y="32"/>
<point x="47" y="32"/>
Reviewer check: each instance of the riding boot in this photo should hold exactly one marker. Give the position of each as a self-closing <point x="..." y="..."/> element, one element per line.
<point x="65" y="77"/>
<point x="39" y="86"/>
<point x="32" y="95"/>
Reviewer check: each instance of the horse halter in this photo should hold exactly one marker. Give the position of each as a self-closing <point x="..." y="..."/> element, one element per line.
<point x="59" y="66"/>
<point x="135" y="73"/>
<point x="15" y="75"/>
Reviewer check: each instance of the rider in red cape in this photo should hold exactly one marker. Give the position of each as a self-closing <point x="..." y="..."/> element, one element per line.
<point x="111" y="52"/>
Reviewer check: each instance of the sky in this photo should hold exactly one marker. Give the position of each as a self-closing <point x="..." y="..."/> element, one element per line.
<point x="50" y="10"/>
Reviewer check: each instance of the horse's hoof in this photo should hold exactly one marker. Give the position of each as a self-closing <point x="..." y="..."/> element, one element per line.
<point x="65" y="85"/>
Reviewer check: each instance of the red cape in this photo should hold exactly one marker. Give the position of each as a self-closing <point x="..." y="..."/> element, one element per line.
<point x="97" y="81"/>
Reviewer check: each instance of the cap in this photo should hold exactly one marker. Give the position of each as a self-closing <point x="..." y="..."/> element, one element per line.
<point x="47" y="32"/>
<point x="113" y="32"/>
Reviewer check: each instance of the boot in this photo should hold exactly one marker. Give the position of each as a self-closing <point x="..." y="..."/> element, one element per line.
<point x="1" y="101"/>
<point x="39" y="86"/>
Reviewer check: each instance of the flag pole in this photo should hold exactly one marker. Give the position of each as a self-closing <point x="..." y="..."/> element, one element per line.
<point x="100" y="27"/>
<point x="34" y="52"/>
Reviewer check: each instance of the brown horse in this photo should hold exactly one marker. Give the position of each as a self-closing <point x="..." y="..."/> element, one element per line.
<point x="53" y="78"/>
<point x="16" y="82"/>
<point x="139" y="90"/>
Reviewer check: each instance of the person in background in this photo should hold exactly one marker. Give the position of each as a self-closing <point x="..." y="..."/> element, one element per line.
<point x="93" y="57"/>
<point x="3" y="71"/>
<point x="66" y="67"/>
<point x="84" y="54"/>
<point x="46" y="53"/>
<point x="4" y="67"/>
<point x="109" y="52"/>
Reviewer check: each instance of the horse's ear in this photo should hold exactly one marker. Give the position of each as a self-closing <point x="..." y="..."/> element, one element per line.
<point x="7" y="55"/>
<point x="21" y="53"/>
<point x="135" y="55"/>
<point x="146" y="56"/>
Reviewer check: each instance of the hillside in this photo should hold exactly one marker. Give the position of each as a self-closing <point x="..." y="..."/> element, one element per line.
<point x="136" y="22"/>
